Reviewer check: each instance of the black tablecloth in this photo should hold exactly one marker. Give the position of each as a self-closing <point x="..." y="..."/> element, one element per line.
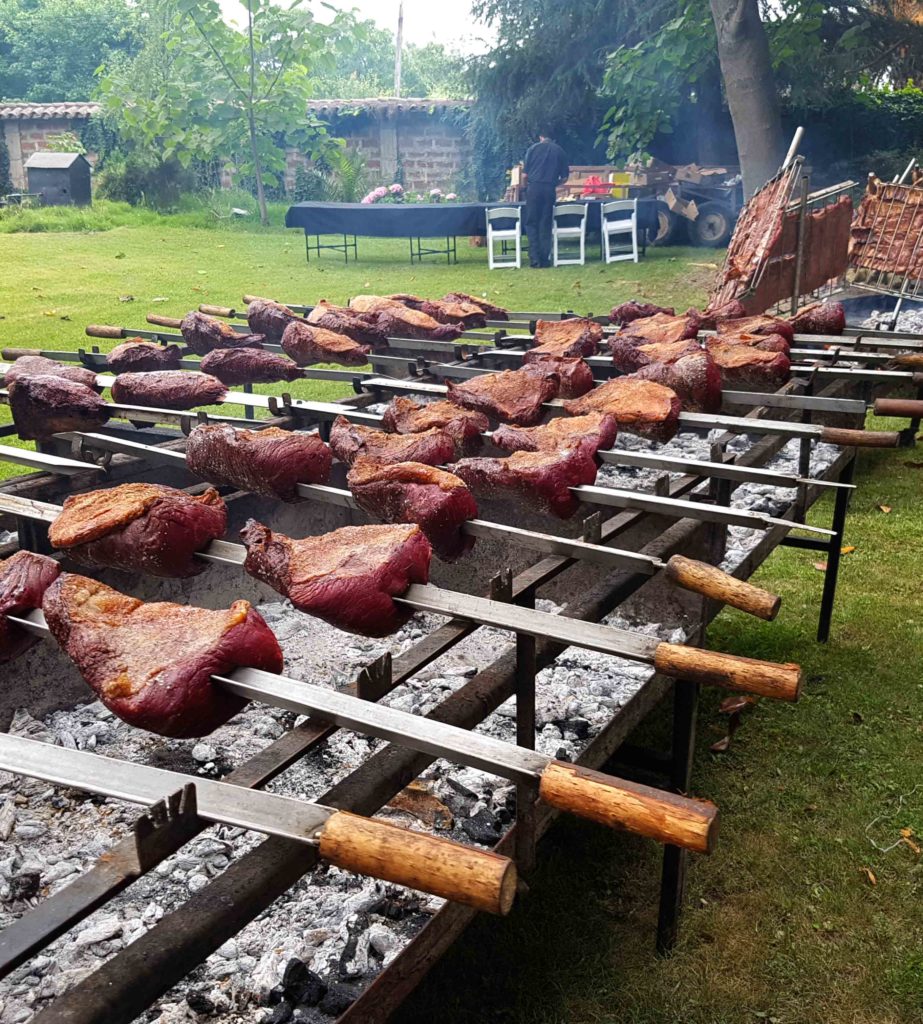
<point x="421" y="220"/>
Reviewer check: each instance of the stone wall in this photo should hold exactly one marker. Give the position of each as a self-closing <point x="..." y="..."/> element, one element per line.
<point x="23" y="138"/>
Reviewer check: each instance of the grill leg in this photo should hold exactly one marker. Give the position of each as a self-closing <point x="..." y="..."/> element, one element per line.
<point x="525" y="737"/>
<point x="833" y="553"/>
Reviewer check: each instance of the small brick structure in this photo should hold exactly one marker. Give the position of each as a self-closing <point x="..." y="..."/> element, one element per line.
<point x="422" y="137"/>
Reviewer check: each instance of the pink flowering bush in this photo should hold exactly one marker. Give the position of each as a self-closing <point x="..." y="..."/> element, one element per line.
<point x="385" y="194"/>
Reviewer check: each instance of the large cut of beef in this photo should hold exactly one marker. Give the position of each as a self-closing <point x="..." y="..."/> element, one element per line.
<point x="625" y="312"/>
<point x="640" y="407"/>
<point x="660" y="328"/>
<point x="446" y="311"/>
<point x="140" y="527"/>
<point x="203" y="333"/>
<point x="695" y="377"/>
<point x="575" y="336"/>
<point x="168" y="389"/>
<point x="32" y="366"/>
<point x="627" y="356"/>
<point x="271" y="462"/>
<point x="398" y="320"/>
<point x="409" y="492"/>
<point x="349" y="441"/>
<point x="541" y="479"/>
<point x="511" y="396"/>
<point x="361" y="327"/>
<point x="24" y="578"/>
<point x="757" y="325"/>
<point x="139" y="356"/>
<point x="574" y="375"/>
<point x="308" y="344"/>
<point x="269" y="318"/>
<point x="763" y="342"/>
<point x="492" y="311"/>
<point x="151" y="664"/>
<point x="597" y="429"/>
<point x="745" y="366"/>
<point x="733" y="309"/>
<point x="464" y="426"/>
<point x="233" y="366"/>
<point x="819" y="318"/>
<point x="43" y="405"/>
<point x="348" y="578"/>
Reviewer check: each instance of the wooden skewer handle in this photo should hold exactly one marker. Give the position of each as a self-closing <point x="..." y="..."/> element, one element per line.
<point x="15" y="353"/>
<point x="104" y="331"/>
<point x="713" y="668"/>
<point x="253" y="298"/>
<point x="710" y="581"/>
<point x="861" y="438"/>
<point x="478" y="878"/>
<point x="224" y="311"/>
<point x="909" y="361"/>
<point x="618" y="803"/>
<point x="163" y="321"/>
<point x="912" y="408"/>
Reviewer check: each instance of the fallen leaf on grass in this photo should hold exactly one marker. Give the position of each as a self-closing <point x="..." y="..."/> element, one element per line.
<point x="885" y="508"/>
<point x="907" y="835"/>
<point x="857" y="719"/>
<point x="820" y="566"/>
<point x="160" y="298"/>
<point x="120" y="255"/>
<point x="49" y="312"/>
<point x="870" y="876"/>
<point x="64" y="316"/>
<point x="126" y="298"/>
<point x="707" y="266"/>
<point x="914" y="465"/>
<point x="722" y="745"/>
<point x="848" y="549"/>
<point x="735" y="704"/>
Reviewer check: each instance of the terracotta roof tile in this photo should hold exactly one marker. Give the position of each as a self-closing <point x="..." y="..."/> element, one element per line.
<point x="21" y="110"/>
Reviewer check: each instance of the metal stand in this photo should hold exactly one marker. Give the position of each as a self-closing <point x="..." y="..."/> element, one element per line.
<point x="316" y="246"/>
<point x="418" y="250"/>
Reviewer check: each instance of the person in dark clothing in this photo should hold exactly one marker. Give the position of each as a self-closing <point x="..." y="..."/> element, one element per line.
<point x="545" y="168"/>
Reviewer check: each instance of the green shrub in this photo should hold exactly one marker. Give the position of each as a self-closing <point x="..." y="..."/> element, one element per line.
<point x="130" y="179"/>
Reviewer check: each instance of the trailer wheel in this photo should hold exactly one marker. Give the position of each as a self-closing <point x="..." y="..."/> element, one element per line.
<point x="670" y="228"/>
<point x="713" y="226"/>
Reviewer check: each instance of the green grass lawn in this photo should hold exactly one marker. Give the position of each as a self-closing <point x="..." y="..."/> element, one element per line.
<point x="784" y="922"/>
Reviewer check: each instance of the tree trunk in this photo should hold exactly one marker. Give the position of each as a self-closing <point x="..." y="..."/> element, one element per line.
<point x="258" y="171"/>
<point x="743" y="51"/>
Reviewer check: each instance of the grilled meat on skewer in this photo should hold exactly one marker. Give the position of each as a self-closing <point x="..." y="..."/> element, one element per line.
<point x="24" y="578"/>
<point x="410" y="492"/>
<point x="763" y="342"/>
<point x="43" y="405"/>
<point x="695" y="377"/>
<point x="598" y="429"/>
<point x="234" y="366"/>
<point x="167" y="389"/>
<point x="733" y="309"/>
<point x="271" y="462"/>
<point x="464" y="426"/>
<point x="203" y="333"/>
<point x="819" y="318"/>
<point x="33" y="366"/>
<point x="493" y="312"/>
<point x="151" y="663"/>
<point x="397" y="319"/>
<point x="745" y="366"/>
<point x="628" y="355"/>
<point x="139" y="356"/>
<point x="575" y="336"/>
<point x="639" y="406"/>
<point x="574" y="375"/>
<point x="661" y="328"/>
<point x="348" y="577"/>
<point x="361" y="327"/>
<point x="511" y="396"/>
<point x="625" y="312"/>
<point x="308" y="344"/>
<point x="445" y="311"/>
<point x="756" y="325"/>
<point x="349" y="441"/>
<point x="269" y="318"/>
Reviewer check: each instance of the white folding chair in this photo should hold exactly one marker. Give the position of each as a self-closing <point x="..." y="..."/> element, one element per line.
<point x="571" y="232"/>
<point x="499" y="260"/>
<point x="620" y="218"/>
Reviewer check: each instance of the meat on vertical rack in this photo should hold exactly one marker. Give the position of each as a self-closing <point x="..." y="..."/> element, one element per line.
<point x="43" y="406"/>
<point x="24" y="578"/>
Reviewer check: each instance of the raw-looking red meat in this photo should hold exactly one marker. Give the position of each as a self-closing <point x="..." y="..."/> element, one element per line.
<point x="401" y="321"/>
<point x="271" y="462"/>
<point x="492" y="311"/>
<point x="575" y="375"/>
<point x="140" y="527"/>
<point x="639" y="406"/>
<point x="24" y="578"/>
<point x="744" y="366"/>
<point x="445" y="311"/>
<point x="151" y="664"/>
<point x="628" y="356"/>
<point x="43" y="406"/>
<point x="625" y="312"/>
<point x="234" y="366"/>
<point x="464" y="426"/>
<point x="139" y="356"/>
<point x="511" y="396"/>
<point x="269" y="318"/>
<point x="348" y="578"/>
<point x="819" y="318"/>
<point x="32" y="366"/>
<point x="763" y="342"/>
<point x="757" y="325"/>
<point x="695" y="377"/>
<point x="308" y="344"/>
<point x="203" y="333"/>
<point x="349" y="441"/>
<point x="661" y="328"/>
<point x="733" y="309"/>
<point x="168" y="389"/>
<point x="597" y="429"/>
<point x="541" y="478"/>
<point x="361" y="327"/>
<point x="409" y="492"/>
<point x="575" y="336"/>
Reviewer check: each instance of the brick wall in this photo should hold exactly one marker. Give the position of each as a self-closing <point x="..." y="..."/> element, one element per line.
<point x="25" y="137"/>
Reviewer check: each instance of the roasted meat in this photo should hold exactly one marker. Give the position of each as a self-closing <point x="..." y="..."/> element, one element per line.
<point x="24" y="578"/>
<point x="139" y="356"/>
<point x="348" y="577"/>
<point x="269" y="318"/>
<point x="32" y="366"/>
<point x="234" y="366"/>
<point x="695" y="377"/>
<point x="409" y="492"/>
<point x="168" y="389"/>
<point x="575" y="336"/>
<point x="639" y="406"/>
<point x="445" y="311"/>
<point x="43" y="405"/>
<point x="361" y="327"/>
<point x="511" y="396"/>
<point x="464" y="426"/>
<point x="757" y="325"/>
<point x="733" y="309"/>
<point x="140" y="527"/>
<point x="627" y="356"/>
<point x="151" y="664"/>
<point x="597" y="429"/>
<point x="543" y="478"/>
<point x="745" y="366"/>
<point x="492" y="311"/>
<point x="349" y="441"/>
<point x="398" y="320"/>
<point x="819" y="318"/>
<point x="661" y="328"/>
<point x="308" y="344"/>
<point x="575" y="378"/>
<point x="203" y="333"/>
<point x="271" y="462"/>
<point x="625" y="312"/>
<point x="763" y="342"/>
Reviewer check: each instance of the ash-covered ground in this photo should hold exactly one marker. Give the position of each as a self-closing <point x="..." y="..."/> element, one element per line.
<point x="310" y="954"/>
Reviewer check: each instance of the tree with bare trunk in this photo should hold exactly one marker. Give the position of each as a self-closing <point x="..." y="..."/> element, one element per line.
<point x="749" y="84"/>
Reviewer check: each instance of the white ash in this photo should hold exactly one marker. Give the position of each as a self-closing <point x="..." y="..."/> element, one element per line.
<point x="909" y="320"/>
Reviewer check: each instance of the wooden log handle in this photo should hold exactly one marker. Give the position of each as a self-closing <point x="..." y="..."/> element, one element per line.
<point x="908" y="361"/>
<point x="163" y="321"/>
<point x="701" y="578"/>
<point x="16" y="353"/>
<point x="618" y="803"/>
<point x="912" y="408"/>
<point x="254" y="298"/>
<point x="478" y="878"/>
<point x="764" y="678"/>
<point x="224" y="311"/>
<point x="104" y="331"/>
<point x="861" y="438"/>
